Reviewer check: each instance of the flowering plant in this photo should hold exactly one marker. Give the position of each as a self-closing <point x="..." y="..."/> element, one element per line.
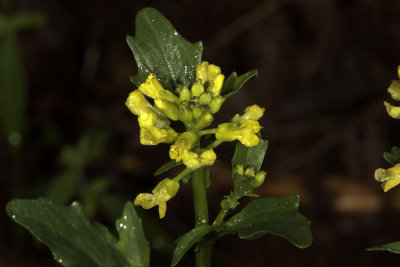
<point x="176" y="99"/>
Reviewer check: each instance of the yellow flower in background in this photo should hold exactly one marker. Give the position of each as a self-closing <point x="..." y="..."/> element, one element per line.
<point x="393" y="111"/>
<point x="389" y="177"/>
<point x="163" y="192"/>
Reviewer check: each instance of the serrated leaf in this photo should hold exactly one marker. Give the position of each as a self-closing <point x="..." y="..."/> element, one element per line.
<point x="278" y="216"/>
<point x="72" y="239"/>
<point x="158" y="48"/>
<point x="167" y="166"/>
<point x="393" y="157"/>
<point x="250" y="156"/>
<point x="132" y="243"/>
<point x="186" y="241"/>
<point x="233" y="83"/>
<point x="391" y="247"/>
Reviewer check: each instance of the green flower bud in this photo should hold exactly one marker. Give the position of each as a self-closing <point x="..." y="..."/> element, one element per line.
<point x="205" y="98"/>
<point x="205" y="121"/>
<point x="216" y="85"/>
<point x="394" y="90"/>
<point x="216" y="104"/>
<point x="249" y="171"/>
<point x="184" y="94"/>
<point x="198" y="111"/>
<point x="185" y="114"/>
<point x="259" y="178"/>
<point x="239" y="168"/>
<point x="197" y="88"/>
<point x="168" y="108"/>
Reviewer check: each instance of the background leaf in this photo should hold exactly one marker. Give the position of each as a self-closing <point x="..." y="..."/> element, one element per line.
<point x="233" y="83"/>
<point x="392" y="247"/>
<point x="72" y="239"/>
<point x="277" y="216"/>
<point x="158" y="48"/>
<point x="186" y="241"/>
<point x="250" y="156"/>
<point x="393" y="157"/>
<point x="132" y="243"/>
<point x="167" y="166"/>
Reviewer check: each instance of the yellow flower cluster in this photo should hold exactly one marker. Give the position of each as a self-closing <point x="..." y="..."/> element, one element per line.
<point x="394" y="91"/>
<point x="163" y="192"/>
<point x="389" y="177"/>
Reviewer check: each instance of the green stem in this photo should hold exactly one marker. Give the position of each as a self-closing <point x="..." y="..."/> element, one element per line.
<point x="183" y="174"/>
<point x="199" y="184"/>
<point x="208" y="131"/>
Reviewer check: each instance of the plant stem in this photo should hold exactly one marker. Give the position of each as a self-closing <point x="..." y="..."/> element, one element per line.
<point x="199" y="184"/>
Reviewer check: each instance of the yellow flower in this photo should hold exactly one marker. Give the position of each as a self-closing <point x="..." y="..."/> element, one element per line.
<point x="163" y="192"/>
<point x="153" y="130"/>
<point x="184" y="143"/>
<point x="200" y="158"/>
<point x="393" y="111"/>
<point x="390" y="177"/>
<point x="212" y="74"/>
<point x="244" y="132"/>
<point x="137" y="103"/>
<point x="152" y="88"/>
<point x="253" y="112"/>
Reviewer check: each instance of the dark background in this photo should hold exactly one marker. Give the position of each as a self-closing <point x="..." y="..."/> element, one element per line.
<point x="324" y="67"/>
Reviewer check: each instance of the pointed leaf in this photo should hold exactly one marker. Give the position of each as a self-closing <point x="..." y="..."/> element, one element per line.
<point x="393" y="157"/>
<point x="392" y="247"/>
<point x="278" y="216"/>
<point x="250" y="156"/>
<point x="233" y="83"/>
<point x="166" y="167"/>
<point x="132" y="243"/>
<point x="186" y="241"/>
<point x="72" y="239"/>
<point x="158" y="48"/>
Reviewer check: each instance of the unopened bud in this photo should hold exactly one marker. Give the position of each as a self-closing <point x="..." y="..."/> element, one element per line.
<point x="259" y="178"/>
<point x="239" y="168"/>
<point x="185" y="114"/>
<point x="205" y="98"/>
<point x="212" y="71"/>
<point x="205" y="121"/>
<point x="184" y="94"/>
<point x="249" y="171"/>
<point x="198" y="111"/>
<point x="168" y="108"/>
<point x="197" y="88"/>
<point x="216" y="85"/>
<point x="216" y="104"/>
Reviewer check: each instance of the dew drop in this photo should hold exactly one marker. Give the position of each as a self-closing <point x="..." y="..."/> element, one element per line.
<point x="121" y="225"/>
<point x="203" y="221"/>
<point x="175" y="33"/>
<point x="125" y="217"/>
<point x="124" y="226"/>
<point x="60" y="260"/>
<point x="13" y="217"/>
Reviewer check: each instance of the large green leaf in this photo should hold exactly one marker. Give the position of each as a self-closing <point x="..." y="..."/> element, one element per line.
<point x="72" y="239"/>
<point x="186" y="241"/>
<point x="12" y="91"/>
<point x="132" y="243"/>
<point x="158" y="48"/>
<point x="392" y="247"/>
<point x="250" y="156"/>
<point x="393" y="157"/>
<point x="233" y="83"/>
<point x="278" y="216"/>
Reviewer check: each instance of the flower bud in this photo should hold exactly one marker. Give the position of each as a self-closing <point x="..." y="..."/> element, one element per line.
<point x="394" y="90"/>
<point x="249" y="171"/>
<point x="216" y="85"/>
<point x="168" y="108"/>
<point x="216" y="104"/>
<point x="205" y="121"/>
<point x="205" y="98"/>
<point x="171" y="187"/>
<point x="198" y="111"/>
<point x="137" y="103"/>
<point x="259" y="178"/>
<point x="184" y="94"/>
<point x="393" y="111"/>
<point x="389" y="177"/>
<point x="212" y="72"/>
<point x="197" y="88"/>
<point x="239" y="168"/>
<point x="152" y="88"/>
<point x="185" y="113"/>
<point x="201" y="71"/>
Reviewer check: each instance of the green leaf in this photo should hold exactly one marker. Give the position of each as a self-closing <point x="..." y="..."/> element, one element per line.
<point x="167" y="166"/>
<point x="93" y="193"/>
<point x="278" y="216"/>
<point x="132" y="243"/>
<point x="64" y="187"/>
<point x="250" y="156"/>
<point x="234" y="83"/>
<point x="72" y="239"/>
<point x="393" y="157"/>
<point x="186" y="241"/>
<point x="12" y="91"/>
<point x="392" y="247"/>
<point x="158" y="48"/>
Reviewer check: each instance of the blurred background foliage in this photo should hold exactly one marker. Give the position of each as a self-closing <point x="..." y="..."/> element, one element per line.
<point x="324" y="67"/>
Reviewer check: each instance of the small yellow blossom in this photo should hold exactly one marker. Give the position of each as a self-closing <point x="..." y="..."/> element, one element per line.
<point x="394" y="90"/>
<point x="137" y="103"/>
<point x="200" y="158"/>
<point x="184" y="143"/>
<point x="393" y="111"/>
<point x="153" y="89"/>
<point x="152" y="132"/>
<point x="244" y="132"/>
<point x="253" y="112"/>
<point x="163" y="192"/>
<point x="210" y="73"/>
<point x="389" y="177"/>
